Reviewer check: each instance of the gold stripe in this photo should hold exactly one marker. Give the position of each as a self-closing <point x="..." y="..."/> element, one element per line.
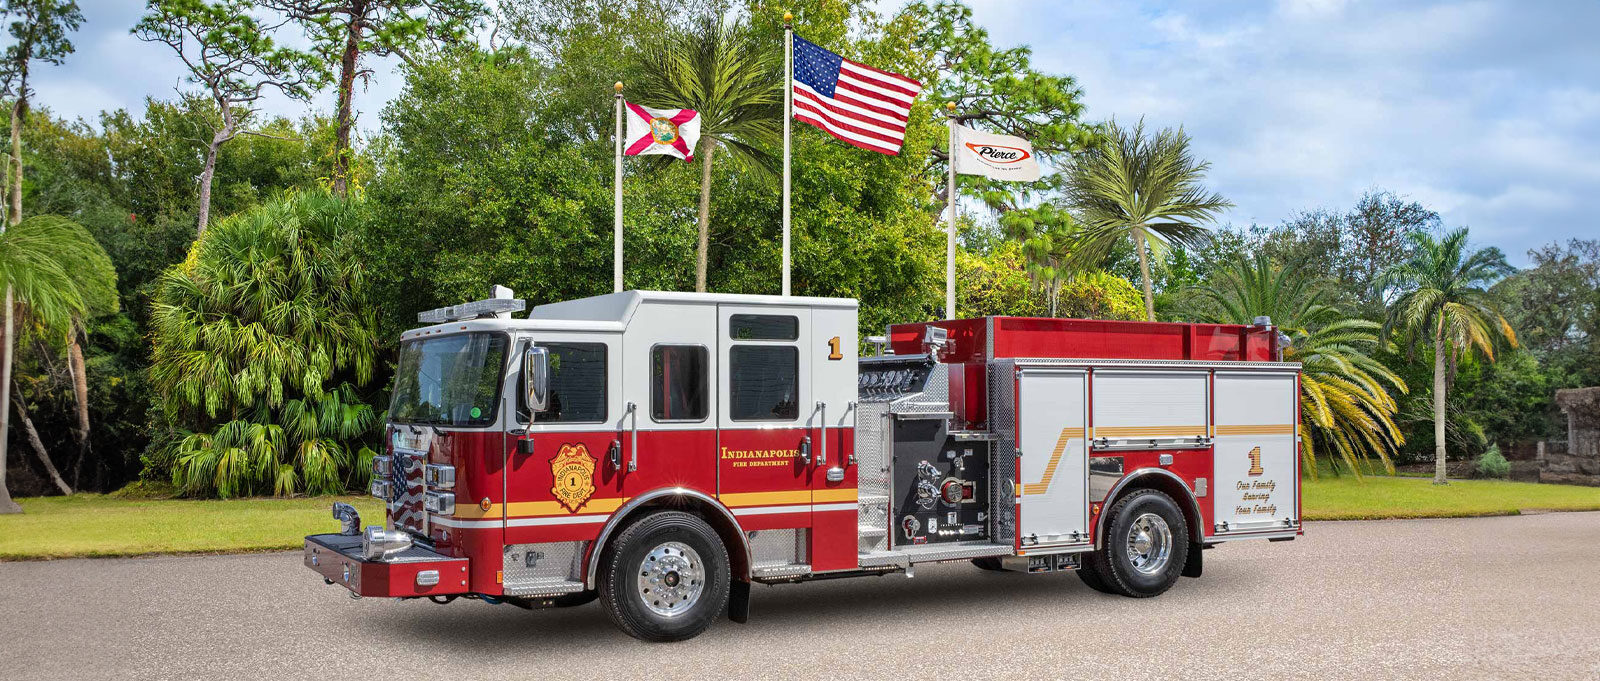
<point x="1150" y="431"/>
<point x="523" y="509"/>
<point x="1067" y="435"/>
<point x="1260" y="429"/>
<point x="833" y="495"/>
<point x="802" y="496"/>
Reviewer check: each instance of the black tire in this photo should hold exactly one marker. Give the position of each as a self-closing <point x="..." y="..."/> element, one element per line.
<point x="654" y="549"/>
<point x="991" y="564"/>
<point x="1114" y="565"/>
<point x="1092" y="578"/>
<point x="573" y="600"/>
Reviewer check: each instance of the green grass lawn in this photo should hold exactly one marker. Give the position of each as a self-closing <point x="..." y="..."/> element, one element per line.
<point x="1346" y="498"/>
<point x="98" y="525"/>
<point x="101" y="525"/>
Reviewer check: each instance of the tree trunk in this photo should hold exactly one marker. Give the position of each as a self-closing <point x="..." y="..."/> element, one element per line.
<point x="347" y="83"/>
<point x="38" y="445"/>
<point x="206" y="173"/>
<point x="19" y="114"/>
<point x="6" y="504"/>
<point x="707" y="146"/>
<point x="1438" y="408"/>
<point x="80" y="394"/>
<point x="1144" y="273"/>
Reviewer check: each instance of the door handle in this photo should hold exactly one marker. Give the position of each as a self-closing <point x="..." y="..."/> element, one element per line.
<point x="633" y="437"/>
<point x="822" y="416"/>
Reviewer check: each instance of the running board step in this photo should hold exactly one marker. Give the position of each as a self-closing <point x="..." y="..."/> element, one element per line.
<point x="931" y="554"/>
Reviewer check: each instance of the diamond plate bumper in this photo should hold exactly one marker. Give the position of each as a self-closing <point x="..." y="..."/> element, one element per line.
<point x="416" y="571"/>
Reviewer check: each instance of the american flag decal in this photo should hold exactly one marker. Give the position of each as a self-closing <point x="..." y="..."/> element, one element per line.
<point x="857" y="104"/>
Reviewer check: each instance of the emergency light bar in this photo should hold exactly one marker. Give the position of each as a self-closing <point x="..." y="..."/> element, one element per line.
<point x="472" y="310"/>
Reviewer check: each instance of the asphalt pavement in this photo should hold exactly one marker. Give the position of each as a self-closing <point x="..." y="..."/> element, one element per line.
<point x="1486" y="598"/>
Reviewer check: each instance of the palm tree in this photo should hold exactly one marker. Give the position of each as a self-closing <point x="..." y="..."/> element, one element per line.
<point x="1344" y="391"/>
<point x="725" y="72"/>
<point x="1144" y="188"/>
<point x="260" y="339"/>
<point x="39" y="260"/>
<point x="1444" y="296"/>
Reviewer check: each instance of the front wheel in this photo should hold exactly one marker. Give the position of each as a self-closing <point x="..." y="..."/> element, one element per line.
<point x="665" y="578"/>
<point x="1145" y="545"/>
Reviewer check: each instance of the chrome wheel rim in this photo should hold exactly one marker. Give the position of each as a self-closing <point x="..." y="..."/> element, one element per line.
<point x="1149" y="544"/>
<point x="671" y="579"/>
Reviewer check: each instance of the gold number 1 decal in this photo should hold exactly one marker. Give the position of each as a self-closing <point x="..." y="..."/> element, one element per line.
<point x="833" y="347"/>
<point x="1255" y="461"/>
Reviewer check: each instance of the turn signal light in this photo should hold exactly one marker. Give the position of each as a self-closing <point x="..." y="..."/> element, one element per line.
<point x="440" y="476"/>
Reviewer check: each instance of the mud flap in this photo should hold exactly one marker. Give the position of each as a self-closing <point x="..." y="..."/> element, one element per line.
<point x="739" y="601"/>
<point x="1192" y="565"/>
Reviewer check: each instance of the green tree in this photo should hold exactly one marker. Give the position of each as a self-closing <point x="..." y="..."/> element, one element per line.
<point x="346" y="30"/>
<point x="1146" y="188"/>
<point x="261" y="340"/>
<point x="723" y="70"/>
<point x="1444" y="299"/>
<point x="40" y="260"/>
<point x="232" y="57"/>
<point x="39" y="33"/>
<point x="1344" y="390"/>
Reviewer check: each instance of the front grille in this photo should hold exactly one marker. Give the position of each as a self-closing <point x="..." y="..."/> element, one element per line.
<point x="405" y="507"/>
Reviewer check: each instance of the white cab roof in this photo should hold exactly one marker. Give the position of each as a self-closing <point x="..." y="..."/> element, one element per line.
<point x="613" y="311"/>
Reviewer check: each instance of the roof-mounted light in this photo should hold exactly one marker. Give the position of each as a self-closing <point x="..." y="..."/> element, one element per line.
<point x="501" y="305"/>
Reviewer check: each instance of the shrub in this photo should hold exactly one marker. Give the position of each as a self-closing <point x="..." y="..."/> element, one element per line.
<point x="262" y="337"/>
<point x="1491" y="464"/>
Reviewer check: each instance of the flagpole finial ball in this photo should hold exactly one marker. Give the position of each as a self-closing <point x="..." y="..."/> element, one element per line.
<point x="618" y="86"/>
<point x="788" y="17"/>
<point x="951" y="106"/>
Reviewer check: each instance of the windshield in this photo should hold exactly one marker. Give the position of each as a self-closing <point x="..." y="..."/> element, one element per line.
<point x="450" y="380"/>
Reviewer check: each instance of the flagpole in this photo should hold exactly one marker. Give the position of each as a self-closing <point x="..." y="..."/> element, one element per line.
<point x="788" y="112"/>
<point x="616" y="206"/>
<point x="950" y="224"/>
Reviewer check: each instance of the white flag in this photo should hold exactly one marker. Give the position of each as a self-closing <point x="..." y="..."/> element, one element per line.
<point x="673" y="132"/>
<point x="997" y="157"/>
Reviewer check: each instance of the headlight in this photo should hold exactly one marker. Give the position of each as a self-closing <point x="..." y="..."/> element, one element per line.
<point x="440" y="476"/>
<point x="382" y="489"/>
<point x="382" y="466"/>
<point x="442" y="503"/>
<point x="379" y="543"/>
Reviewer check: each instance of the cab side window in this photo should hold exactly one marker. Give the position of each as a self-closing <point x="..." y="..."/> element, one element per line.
<point x="679" y="384"/>
<point x="577" y="384"/>
<point x="764" y="382"/>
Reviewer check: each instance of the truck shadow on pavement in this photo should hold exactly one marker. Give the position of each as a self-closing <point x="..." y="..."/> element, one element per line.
<point x="942" y="593"/>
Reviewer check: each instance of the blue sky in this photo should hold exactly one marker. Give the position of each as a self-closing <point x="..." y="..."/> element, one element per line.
<point x="1486" y="111"/>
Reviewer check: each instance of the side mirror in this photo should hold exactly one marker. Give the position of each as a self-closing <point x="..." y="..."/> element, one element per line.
<point x="536" y="377"/>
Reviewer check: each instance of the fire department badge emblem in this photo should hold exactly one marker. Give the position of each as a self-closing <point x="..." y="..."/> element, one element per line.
<point x="572" y="469"/>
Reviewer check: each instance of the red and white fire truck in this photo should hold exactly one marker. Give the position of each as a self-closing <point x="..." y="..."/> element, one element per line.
<point x="663" y="451"/>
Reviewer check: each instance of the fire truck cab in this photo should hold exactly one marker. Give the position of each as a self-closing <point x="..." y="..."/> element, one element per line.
<point x="663" y="451"/>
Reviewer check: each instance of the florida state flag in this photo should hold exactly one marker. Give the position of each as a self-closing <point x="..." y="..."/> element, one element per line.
<point x="673" y="132"/>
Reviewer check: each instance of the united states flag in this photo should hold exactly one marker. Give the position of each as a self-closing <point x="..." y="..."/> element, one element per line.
<point x="858" y="104"/>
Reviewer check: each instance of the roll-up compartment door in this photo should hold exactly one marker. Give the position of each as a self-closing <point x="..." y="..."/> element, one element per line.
<point x="1136" y="409"/>
<point x="1255" y="467"/>
<point x="1054" y="468"/>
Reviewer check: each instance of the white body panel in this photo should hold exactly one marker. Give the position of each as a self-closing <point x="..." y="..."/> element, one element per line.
<point x="1256" y="458"/>
<point x="1150" y="404"/>
<point x="1051" y="413"/>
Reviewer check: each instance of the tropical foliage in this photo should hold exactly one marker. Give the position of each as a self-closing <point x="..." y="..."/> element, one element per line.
<point x="1345" y="398"/>
<point x="1145" y="188"/>
<point x="1444" y="301"/>
<point x="262" y="338"/>
<point x="723" y="70"/>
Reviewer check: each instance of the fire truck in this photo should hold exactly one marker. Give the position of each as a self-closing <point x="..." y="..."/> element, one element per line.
<point x="662" y="452"/>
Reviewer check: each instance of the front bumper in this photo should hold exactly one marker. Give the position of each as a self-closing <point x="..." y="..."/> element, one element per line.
<point x="416" y="571"/>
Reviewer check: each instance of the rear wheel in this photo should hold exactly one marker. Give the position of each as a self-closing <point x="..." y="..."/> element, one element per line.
<point x="665" y="577"/>
<point x="1091" y="578"/>
<point x="1145" y="546"/>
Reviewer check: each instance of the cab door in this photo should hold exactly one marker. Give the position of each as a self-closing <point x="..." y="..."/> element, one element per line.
<point x="767" y="445"/>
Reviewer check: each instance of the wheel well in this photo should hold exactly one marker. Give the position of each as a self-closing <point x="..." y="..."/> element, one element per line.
<point x="718" y="518"/>
<point x="1167" y="484"/>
